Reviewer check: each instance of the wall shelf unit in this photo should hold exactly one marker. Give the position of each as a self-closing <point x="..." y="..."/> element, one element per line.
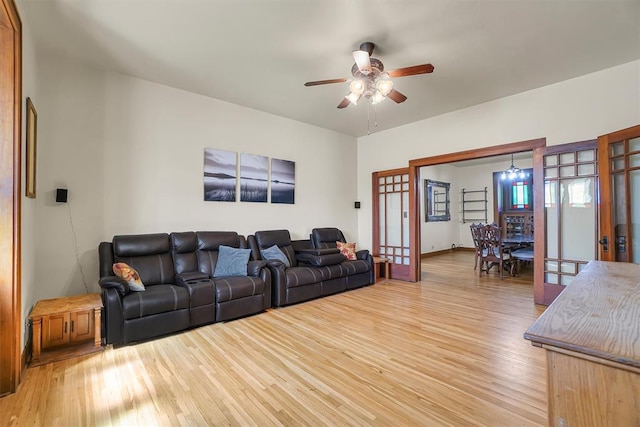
<point x="474" y="205"/>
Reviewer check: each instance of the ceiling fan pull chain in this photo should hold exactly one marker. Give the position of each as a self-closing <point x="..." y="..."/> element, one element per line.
<point x="375" y="116"/>
<point x="368" y="118"/>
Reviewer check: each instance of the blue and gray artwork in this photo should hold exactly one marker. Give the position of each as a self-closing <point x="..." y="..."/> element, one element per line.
<point x="220" y="175"/>
<point x="254" y="178"/>
<point x="283" y="178"/>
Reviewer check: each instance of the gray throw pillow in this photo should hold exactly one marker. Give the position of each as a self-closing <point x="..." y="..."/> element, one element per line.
<point x="274" y="252"/>
<point x="231" y="262"/>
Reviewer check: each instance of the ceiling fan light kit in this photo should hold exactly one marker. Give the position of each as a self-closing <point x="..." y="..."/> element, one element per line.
<point x="370" y="80"/>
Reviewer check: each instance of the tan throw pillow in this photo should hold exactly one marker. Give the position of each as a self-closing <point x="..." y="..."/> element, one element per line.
<point x="130" y="275"/>
<point x="347" y="249"/>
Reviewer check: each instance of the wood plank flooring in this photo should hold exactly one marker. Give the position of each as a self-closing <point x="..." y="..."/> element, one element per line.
<point x="446" y="351"/>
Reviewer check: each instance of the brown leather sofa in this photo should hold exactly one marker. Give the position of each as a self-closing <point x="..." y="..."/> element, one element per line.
<point x="313" y="271"/>
<point x="181" y="292"/>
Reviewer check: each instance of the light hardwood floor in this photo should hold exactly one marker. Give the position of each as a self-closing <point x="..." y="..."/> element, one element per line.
<point x="447" y="351"/>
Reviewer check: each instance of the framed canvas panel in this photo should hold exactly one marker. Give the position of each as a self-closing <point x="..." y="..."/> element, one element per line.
<point x="254" y="177"/>
<point x="283" y="178"/>
<point x="220" y="175"/>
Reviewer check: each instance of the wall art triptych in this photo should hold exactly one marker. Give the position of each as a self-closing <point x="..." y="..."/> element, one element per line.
<point x="221" y="178"/>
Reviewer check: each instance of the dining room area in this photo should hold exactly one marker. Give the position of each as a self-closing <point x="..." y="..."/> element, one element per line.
<point x="484" y="206"/>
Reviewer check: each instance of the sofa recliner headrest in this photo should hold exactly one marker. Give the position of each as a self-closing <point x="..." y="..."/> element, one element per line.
<point x="326" y="237"/>
<point x="211" y="240"/>
<point x="266" y="239"/>
<point x="184" y="242"/>
<point x="141" y="244"/>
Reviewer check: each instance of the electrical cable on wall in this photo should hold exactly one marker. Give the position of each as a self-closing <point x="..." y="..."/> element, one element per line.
<point x="75" y="243"/>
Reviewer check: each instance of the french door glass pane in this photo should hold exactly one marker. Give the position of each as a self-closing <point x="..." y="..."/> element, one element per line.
<point x="405" y="222"/>
<point x="634" y="187"/>
<point x="394" y="219"/>
<point x="578" y="214"/>
<point x="551" y="218"/>
<point x="586" y="156"/>
<point x="381" y="213"/>
<point x="617" y="148"/>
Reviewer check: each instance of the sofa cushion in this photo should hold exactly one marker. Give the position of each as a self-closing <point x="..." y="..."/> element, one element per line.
<point x="300" y="276"/>
<point x="347" y="249"/>
<point x="345" y="268"/>
<point x="355" y="267"/>
<point x="274" y="252"/>
<point x="232" y="288"/>
<point x="156" y="299"/>
<point x="129" y="275"/>
<point x="232" y="262"/>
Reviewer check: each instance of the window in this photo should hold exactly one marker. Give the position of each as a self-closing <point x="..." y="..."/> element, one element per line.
<point x="520" y="195"/>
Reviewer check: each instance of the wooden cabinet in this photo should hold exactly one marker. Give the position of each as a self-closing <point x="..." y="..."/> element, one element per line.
<point x="590" y="334"/>
<point x="67" y="326"/>
<point x="517" y="224"/>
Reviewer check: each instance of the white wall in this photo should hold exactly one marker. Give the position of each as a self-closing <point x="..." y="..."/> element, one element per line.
<point x="575" y="110"/>
<point x="439" y="235"/>
<point x="131" y="154"/>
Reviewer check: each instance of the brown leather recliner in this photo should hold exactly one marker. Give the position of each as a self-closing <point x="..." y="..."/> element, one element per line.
<point x="363" y="272"/>
<point x="161" y="309"/>
<point x="177" y="271"/>
<point x="312" y="272"/>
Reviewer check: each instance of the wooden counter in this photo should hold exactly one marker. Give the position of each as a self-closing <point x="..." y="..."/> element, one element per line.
<point x="592" y="336"/>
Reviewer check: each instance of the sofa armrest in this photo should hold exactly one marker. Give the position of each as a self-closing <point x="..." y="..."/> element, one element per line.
<point x="320" y="260"/>
<point x="121" y="285"/>
<point x="112" y="317"/>
<point x="362" y="254"/>
<point x="255" y="267"/>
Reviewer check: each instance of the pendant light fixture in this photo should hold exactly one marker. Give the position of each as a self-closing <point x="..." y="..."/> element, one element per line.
<point x="513" y="172"/>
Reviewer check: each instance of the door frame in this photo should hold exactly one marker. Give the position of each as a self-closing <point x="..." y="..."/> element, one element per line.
<point x="604" y="173"/>
<point x="402" y="272"/>
<point x="11" y="196"/>
<point x="478" y="153"/>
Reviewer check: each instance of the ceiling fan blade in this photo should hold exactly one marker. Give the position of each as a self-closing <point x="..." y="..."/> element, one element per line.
<point x="325" y="82"/>
<point x="362" y="60"/>
<point x="411" y="71"/>
<point x="344" y="104"/>
<point x="396" y="96"/>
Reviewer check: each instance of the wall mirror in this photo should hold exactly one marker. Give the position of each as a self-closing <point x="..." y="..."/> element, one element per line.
<point x="437" y="200"/>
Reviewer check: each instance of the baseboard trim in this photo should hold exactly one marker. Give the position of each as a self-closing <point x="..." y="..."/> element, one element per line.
<point x="445" y="251"/>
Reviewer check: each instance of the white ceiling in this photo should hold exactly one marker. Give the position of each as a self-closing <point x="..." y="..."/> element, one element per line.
<point x="259" y="53"/>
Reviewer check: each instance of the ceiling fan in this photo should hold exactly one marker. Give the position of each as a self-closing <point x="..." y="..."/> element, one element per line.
<point x="370" y="80"/>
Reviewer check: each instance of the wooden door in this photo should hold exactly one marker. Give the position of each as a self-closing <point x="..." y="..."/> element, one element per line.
<point x="82" y="328"/>
<point x="566" y="195"/>
<point x="10" y="197"/>
<point x="391" y="238"/>
<point x="619" y="171"/>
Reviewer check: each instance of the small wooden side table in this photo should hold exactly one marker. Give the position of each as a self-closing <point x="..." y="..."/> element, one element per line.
<point x="377" y="262"/>
<point x="66" y="327"/>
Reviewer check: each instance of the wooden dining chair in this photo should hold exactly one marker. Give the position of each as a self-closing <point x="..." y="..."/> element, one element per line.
<point x="492" y="252"/>
<point x="475" y="235"/>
